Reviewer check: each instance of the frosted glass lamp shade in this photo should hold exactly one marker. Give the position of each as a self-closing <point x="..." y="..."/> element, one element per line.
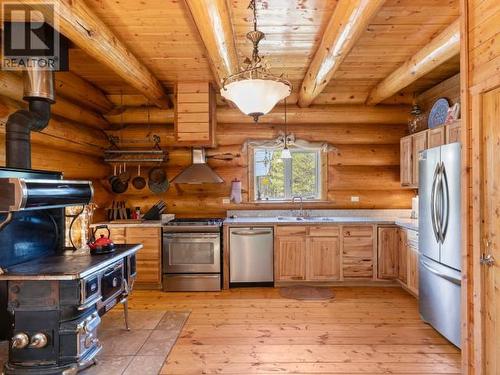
<point x="286" y="154"/>
<point x="255" y="97"/>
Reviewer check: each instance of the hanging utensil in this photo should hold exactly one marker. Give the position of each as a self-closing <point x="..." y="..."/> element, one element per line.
<point x="139" y="182"/>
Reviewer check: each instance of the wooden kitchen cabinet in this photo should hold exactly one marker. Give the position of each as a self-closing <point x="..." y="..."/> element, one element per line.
<point x="148" y="258"/>
<point x="402" y="257"/>
<point x="307" y="253"/>
<point x="406" y="161"/>
<point x="195" y="114"/>
<point x="436" y="137"/>
<point x="419" y="144"/>
<point x="413" y="259"/>
<point x="323" y="258"/>
<point x="453" y="132"/>
<point x="357" y="254"/>
<point x="290" y="258"/>
<point x="388" y="248"/>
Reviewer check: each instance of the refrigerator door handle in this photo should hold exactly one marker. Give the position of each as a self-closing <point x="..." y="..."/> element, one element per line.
<point x="452" y="279"/>
<point x="434" y="219"/>
<point x="445" y="214"/>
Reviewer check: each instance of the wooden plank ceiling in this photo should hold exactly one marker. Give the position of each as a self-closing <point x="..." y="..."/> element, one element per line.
<point x="162" y="35"/>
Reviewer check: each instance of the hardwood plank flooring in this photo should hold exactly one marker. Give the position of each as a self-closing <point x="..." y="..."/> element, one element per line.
<point x="364" y="330"/>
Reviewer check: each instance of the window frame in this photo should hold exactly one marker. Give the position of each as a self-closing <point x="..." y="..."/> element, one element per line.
<point x="321" y="176"/>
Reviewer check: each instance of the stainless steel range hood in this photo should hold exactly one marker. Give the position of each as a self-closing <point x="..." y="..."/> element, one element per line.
<point x="198" y="172"/>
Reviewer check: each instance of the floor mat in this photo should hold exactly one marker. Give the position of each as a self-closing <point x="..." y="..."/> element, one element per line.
<point x="305" y="293"/>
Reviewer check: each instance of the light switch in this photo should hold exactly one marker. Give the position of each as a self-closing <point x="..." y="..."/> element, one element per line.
<point x="226" y="201"/>
<point x="354" y="198"/>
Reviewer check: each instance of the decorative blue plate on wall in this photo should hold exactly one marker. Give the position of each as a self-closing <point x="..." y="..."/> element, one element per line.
<point x="438" y="113"/>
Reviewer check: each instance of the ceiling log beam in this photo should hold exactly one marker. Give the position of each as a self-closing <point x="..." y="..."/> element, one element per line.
<point x="440" y="49"/>
<point x="213" y="21"/>
<point x="78" y="90"/>
<point x="11" y="86"/>
<point x="82" y="26"/>
<point x="349" y="20"/>
<point x="341" y="114"/>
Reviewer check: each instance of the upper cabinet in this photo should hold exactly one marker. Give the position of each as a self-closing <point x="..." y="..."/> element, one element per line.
<point x="195" y="114"/>
<point x="412" y="145"/>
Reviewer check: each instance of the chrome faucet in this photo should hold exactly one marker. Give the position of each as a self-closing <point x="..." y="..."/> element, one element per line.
<point x="301" y="200"/>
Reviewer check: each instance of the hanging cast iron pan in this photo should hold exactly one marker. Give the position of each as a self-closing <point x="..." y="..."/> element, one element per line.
<point x="112" y="178"/>
<point x="158" y="188"/>
<point x="118" y="186"/>
<point x="139" y="182"/>
<point x="157" y="175"/>
<point x="125" y="175"/>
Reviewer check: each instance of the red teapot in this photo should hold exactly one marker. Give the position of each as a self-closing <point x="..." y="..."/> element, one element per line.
<point x="102" y="245"/>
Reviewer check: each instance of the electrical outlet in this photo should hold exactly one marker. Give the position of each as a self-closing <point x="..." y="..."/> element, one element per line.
<point x="226" y="200"/>
<point x="354" y="198"/>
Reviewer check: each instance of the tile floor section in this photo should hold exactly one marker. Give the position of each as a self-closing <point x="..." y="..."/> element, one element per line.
<point x="142" y="350"/>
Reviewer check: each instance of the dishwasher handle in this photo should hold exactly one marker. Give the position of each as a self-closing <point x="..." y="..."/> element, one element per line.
<point x="252" y="232"/>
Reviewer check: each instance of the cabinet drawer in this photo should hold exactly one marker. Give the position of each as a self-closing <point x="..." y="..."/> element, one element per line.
<point x="142" y="232"/>
<point x="358" y="231"/>
<point x="324" y="231"/>
<point x="291" y="230"/>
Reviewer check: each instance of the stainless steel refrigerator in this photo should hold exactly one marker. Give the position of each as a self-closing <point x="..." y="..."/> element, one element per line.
<point x="440" y="239"/>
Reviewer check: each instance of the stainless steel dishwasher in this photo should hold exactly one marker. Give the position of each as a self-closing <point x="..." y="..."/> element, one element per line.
<point x="251" y="259"/>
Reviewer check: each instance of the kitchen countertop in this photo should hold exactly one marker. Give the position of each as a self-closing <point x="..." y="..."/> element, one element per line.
<point x="309" y="220"/>
<point x="69" y="266"/>
<point x="407" y="223"/>
<point x="131" y="224"/>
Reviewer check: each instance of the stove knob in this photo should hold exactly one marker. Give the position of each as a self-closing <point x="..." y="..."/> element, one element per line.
<point x="38" y="341"/>
<point x="20" y="340"/>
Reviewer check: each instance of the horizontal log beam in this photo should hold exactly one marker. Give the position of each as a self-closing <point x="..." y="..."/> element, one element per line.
<point x="346" y="114"/>
<point x="349" y="20"/>
<point x="82" y="26"/>
<point x="78" y="90"/>
<point x="11" y="86"/>
<point x="63" y="135"/>
<point x="440" y="49"/>
<point x="213" y="21"/>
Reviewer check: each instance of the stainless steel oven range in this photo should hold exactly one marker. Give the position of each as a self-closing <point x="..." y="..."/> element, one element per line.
<point x="192" y="251"/>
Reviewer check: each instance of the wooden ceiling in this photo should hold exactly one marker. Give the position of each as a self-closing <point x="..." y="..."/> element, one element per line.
<point x="163" y="36"/>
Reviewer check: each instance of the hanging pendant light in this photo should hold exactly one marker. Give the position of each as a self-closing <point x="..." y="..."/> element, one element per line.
<point x="255" y="90"/>
<point x="285" y="153"/>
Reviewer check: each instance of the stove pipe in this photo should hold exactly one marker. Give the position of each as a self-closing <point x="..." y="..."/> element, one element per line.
<point x="39" y="93"/>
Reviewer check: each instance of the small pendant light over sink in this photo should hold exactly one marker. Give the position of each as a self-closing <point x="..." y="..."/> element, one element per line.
<point x="285" y="153"/>
<point x="255" y="90"/>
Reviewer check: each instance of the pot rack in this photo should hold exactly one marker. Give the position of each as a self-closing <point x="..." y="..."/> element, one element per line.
<point x="116" y="155"/>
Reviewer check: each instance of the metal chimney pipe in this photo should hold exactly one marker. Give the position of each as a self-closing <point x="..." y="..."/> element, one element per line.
<point x="39" y="92"/>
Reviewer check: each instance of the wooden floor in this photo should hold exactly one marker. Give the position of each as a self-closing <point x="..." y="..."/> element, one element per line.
<point x="364" y="330"/>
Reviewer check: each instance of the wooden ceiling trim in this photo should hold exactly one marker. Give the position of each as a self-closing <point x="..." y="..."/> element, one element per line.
<point x="349" y="19"/>
<point x="82" y="26"/>
<point x="11" y="86"/>
<point x="213" y="21"/>
<point x="442" y="48"/>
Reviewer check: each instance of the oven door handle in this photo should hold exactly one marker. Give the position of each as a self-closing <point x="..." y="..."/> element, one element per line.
<point x="112" y="269"/>
<point x="192" y="235"/>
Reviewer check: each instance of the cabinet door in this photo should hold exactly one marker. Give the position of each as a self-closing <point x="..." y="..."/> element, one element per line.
<point x="403" y="257"/>
<point x="413" y="270"/>
<point x="406" y="164"/>
<point x="291" y="258"/>
<point x="419" y="144"/>
<point x="323" y="258"/>
<point x="388" y="246"/>
<point x="453" y="132"/>
<point x="436" y="137"/>
<point x="149" y="257"/>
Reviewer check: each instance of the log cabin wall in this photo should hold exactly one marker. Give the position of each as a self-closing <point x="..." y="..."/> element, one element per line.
<point x="366" y="163"/>
<point x="67" y="146"/>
